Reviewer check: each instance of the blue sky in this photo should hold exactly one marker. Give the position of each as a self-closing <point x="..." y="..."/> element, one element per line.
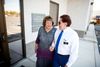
<point x="12" y="5"/>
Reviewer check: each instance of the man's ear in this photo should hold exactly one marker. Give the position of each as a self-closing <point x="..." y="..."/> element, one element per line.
<point x="66" y="24"/>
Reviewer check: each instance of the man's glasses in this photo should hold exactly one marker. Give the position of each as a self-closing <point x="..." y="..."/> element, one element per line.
<point x="59" y="22"/>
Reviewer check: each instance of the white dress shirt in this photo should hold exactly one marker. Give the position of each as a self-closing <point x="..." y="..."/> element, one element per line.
<point x="68" y="45"/>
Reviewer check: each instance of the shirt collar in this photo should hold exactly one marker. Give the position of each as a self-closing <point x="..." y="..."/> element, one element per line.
<point x="66" y="29"/>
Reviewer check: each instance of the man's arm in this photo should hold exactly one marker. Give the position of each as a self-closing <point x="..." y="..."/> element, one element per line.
<point x="74" y="51"/>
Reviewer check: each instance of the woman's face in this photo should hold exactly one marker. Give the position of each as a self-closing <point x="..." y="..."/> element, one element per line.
<point x="48" y="24"/>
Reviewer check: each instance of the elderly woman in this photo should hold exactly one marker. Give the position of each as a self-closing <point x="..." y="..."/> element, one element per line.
<point x="43" y="43"/>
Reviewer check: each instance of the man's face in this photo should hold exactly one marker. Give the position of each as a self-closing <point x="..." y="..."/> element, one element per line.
<point x="62" y="25"/>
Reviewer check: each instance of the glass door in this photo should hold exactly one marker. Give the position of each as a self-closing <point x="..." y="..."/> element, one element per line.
<point x="14" y="31"/>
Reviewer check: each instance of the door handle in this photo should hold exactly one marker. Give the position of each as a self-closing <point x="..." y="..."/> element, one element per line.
<point x="2" y="37"/>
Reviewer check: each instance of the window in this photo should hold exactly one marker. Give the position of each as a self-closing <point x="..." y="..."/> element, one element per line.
<point x="37" y="20"/>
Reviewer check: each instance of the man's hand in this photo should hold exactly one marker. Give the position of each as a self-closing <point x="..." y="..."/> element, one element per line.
<point x="66" y="66"/>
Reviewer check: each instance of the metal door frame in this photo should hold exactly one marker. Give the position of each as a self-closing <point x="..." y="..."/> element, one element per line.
<point x="4" y="30"/>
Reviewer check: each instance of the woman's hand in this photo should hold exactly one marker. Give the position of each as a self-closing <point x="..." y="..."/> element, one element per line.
<point x="36" y="47"/>
<point x="51" y="48"/>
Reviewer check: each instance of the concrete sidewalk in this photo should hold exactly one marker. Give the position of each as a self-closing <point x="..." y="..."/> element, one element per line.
<point x="88" y="52"/>
<point x="97" y="29"/>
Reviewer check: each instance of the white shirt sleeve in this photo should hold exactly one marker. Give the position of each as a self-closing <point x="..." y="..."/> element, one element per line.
<point x="74" y="51"/>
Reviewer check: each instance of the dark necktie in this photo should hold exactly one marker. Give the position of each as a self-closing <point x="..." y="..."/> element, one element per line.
<point x="58" y="40"/>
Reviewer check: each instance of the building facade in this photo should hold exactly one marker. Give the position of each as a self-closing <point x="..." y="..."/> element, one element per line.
<point x="32" y="13"/>
<point x="79" y="10"/>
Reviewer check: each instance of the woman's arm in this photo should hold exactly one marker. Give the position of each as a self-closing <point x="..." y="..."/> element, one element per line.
<point x="36" y="47"/>
<point x="52" y="46"/>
